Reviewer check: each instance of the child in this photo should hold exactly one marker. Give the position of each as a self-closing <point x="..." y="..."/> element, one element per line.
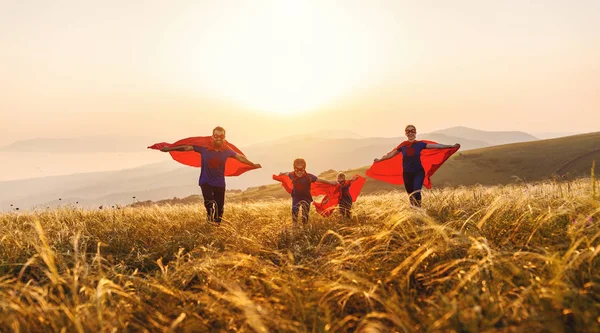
<point x="345" y="199"/>
<point x="301" y="184"/>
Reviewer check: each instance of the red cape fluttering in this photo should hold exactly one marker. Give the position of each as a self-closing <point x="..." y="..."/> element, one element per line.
<point x="331" y="193"/>
<point x="233" y="167"/>
<point x="390" y="171"/>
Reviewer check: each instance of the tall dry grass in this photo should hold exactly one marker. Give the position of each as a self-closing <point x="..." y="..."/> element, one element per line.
<point x="513" y="258"/>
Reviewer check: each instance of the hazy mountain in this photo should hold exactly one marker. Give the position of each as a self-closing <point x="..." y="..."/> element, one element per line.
<point x="40" y="191"/>
<point x="95" y="144"/>
<point x="552" y="135"/>
<point x="168" y="178"/>
<point x="329" y="134"/>
<point x="491" y="138"/>
<point x="465" y="143"/>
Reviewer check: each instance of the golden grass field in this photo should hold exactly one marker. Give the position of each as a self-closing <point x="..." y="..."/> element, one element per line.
<point x="513" y="258"/>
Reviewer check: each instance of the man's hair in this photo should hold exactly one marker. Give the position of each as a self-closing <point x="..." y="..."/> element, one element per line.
<point x="219" y="128"/>
<point x="300" y="161"/>
<point x="341" y="174"/>
<point x="407" y="126"/>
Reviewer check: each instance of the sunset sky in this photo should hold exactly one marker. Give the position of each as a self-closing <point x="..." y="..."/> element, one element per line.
<point x="266" y="69"/>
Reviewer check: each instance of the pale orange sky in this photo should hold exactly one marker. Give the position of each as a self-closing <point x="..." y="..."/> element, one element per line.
<point x="266" y="69"/>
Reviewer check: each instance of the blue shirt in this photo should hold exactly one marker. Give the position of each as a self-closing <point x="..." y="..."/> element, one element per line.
<point x="345" y="196"/>
<point x="213" y="165"/>
<point x="301" y="189"/>
<point x="411" y="156"/>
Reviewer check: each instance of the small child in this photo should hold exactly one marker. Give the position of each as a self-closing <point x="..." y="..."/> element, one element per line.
<point x="345" y="199"/>
<point x="301" y="183"/>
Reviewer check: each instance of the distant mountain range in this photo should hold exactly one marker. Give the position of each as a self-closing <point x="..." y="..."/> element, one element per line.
<point x="95" y="144"/>
<point x="564" y="158"/>
<point x="470" y="138"/>
<point x="552" y="135"/>
<point x="491" y="138"/>
<point x="169" y="179"/>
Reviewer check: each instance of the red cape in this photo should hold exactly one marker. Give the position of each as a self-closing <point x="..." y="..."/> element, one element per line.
<point x="233" y="167"/>
<point x="331" y="193"/>
<point x="390" y="171"/>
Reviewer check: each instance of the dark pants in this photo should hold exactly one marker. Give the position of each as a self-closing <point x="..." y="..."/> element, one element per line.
<point x="413" y="182"/>
<point x="214" y="200"/>
<point x="346" y="208"/>
<point x="298" y="204"/>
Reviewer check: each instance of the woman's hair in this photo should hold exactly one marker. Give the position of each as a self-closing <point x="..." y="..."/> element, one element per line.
<point x="300" y="161"/>
<point x="341" y="174"/>
<point x="407" y="126"/>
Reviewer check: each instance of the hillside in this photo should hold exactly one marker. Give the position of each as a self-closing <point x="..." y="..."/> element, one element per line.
<point x="567" y="157"/>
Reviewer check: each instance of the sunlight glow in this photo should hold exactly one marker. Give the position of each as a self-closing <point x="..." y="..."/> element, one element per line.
<point x="283" y="57"/>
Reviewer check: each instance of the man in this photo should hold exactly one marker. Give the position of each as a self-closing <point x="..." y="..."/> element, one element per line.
<point x="212" y="175"/>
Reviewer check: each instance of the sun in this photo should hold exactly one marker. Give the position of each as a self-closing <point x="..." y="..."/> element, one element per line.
<point x="288" y="57"/>
<point x="284" y="83"/>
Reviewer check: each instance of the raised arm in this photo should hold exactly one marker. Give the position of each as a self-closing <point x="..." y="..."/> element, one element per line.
<point x="245" y="160"/>
<point x="387" y="156"/>
<point x="177" y="148"/>
<point x="439" y="145"/>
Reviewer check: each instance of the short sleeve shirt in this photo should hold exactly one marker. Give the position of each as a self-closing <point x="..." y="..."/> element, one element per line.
<point x="345" y="196"/>
<point x="411" y="156"/>
<point x="301" y="189"/>
<point x="213" y="165"/>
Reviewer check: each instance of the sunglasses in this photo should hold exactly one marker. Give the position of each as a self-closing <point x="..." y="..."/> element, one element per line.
<point x="341" y="181"/>
<point x="411" y="131"/>
<point x="299" y="169"/>
<point x="219" y="136"/>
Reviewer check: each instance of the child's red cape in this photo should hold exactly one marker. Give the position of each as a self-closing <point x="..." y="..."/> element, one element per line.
<point x="390" y="171"/>
<point x="233" y="167"/>
<point x="331" y="193"/>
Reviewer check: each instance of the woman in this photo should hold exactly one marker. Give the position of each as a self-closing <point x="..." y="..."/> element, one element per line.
<point x="414" y="174"/>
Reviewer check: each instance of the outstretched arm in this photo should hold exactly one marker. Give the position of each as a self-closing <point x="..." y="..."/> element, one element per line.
<point x="245" y="160"/>
<point x="387" y="156"/>
<point x="177" y="148"/>
<point x="330" y="182"/>
<point x="439" y="145"/>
